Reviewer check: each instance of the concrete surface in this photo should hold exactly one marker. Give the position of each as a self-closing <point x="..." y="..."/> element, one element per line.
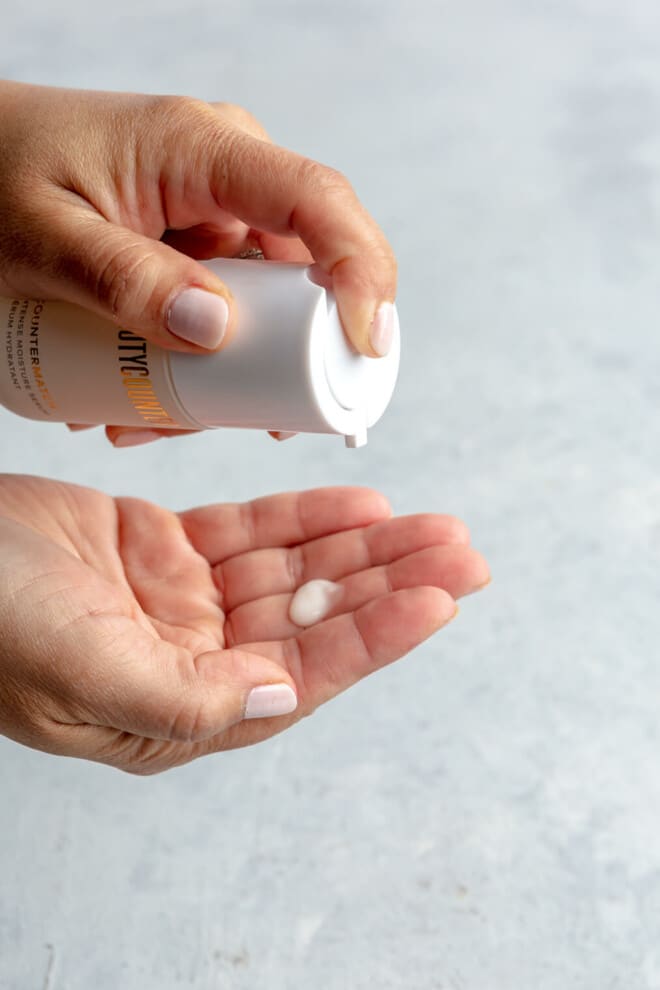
<point x="485" y="814"/>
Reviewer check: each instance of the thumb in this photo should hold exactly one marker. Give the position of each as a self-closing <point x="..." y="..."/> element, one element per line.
<point x="118" y="686"/>
<point x="161" y="691"/>
<point x="137" y="282"/>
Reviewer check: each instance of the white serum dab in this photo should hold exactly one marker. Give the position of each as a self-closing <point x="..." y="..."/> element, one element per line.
<point x="313" y="601"/>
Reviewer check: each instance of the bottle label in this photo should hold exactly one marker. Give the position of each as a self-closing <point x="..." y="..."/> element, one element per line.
<point x="133" y="362"/>
<point x="23" y="356"/>
<point x="64" y="364"/>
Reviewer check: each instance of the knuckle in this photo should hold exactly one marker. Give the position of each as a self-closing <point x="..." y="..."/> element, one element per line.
<point x="23" y="238"/>
<point x="149" y="757"/>
<point x="177" y="119"/>
<point x="137" y="756"/>
<point x="123" y="273"/>
<point x="178" y="111"/>
<point x="26" y="717"/>
<point x="324" y="179"/>
<point x="191" y="723"/>
<point x="383" y="255"/>
<point x="242" y="118"/>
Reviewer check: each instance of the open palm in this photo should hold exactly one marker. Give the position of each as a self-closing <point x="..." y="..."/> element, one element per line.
<point x="134" y="636"/>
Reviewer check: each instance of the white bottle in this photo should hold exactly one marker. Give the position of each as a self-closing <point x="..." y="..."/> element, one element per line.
<point x="288" y="365"/>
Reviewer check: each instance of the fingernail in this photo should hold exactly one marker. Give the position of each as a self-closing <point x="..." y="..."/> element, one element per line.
<point x="382" y="329"/>
<point x="135" y="437"/>
<point x="269" y="700"/>
<point x="199" y="317"/>
<point x="282" y="435"/>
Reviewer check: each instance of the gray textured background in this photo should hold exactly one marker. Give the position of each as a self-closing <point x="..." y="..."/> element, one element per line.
<point x="483" y="815"/>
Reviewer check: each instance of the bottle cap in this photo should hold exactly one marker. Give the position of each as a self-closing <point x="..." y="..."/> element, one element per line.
<point x="289" y="365"/>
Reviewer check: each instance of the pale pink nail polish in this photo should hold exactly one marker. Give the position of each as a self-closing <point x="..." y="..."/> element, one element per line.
<point x="269" y="700"/>
<point x="199" y="317"/>
<point x="382" y="329"/>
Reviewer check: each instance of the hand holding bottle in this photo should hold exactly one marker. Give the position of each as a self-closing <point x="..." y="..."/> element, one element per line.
<point x="107" y="199"/>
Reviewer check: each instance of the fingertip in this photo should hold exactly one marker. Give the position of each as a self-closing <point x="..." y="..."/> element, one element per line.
<point x="377" y="506"/>
<point x="270" y="700"/>
<point x="442" y="608"/>
<point x="200" y="316"/>
<point x="280" y="435"/>
<point x="370" y="326"/>
<point x="381" y="330"/>
<point x="131" y="437"/>
<point x="484" y="584"/>
<point x="365" y="288"/>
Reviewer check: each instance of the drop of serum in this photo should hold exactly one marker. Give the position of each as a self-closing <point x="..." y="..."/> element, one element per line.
<point x="312" y="601"/>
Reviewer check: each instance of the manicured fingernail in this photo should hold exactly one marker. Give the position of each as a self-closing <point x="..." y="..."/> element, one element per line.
<point x="199" y="317"/>
<point x="282" y="435"/>
<point x="382" y="329"/>
<point x="136" y="437"/>
<point x="269" y="700"/>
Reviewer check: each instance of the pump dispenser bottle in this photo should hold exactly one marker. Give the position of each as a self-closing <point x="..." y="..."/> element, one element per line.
<point x="287" y="367"/>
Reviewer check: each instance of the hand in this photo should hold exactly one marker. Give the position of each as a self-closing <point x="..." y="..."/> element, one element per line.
<point x="106" y="199"/>
<point x="142" y="638"/>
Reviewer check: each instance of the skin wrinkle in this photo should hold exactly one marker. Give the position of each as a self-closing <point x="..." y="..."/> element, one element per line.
<point x="303" y="523"/>
<point x="334" y="675"/>
<point x="29" y="586"/>
<point x="231" y="640"/>
<point x="292" y="661"/>
<point x="248" y="521"/>
<point x="198" y="640"/>
<point x="264" y="610"/>
<point x="232" y="162"/>
<point x="190" y="724"/>
<point x="296" y="566"/>
<point x="75" y="514"/>
<point x="299" y="567"/>
<point x="115" y="279"/>
<point x="118" y="536"/>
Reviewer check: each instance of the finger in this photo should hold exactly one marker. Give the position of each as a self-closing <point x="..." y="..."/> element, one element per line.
<point x="219" y="532"/>
<point x="336" y="654"/>
<point x="457" y="570"/>
<point x="320" y="206"/>
<point x="275" y="247"/>
<point x="220" y="239"/>
<point x="278" y="248"/>
<point x="131" y="279"/>
<point x="322" y="662"/>
<point x="252" y="575"/>
<point x="226" y="236"/>
<point x="307" y="199"/>
<point x="241" y="118"/>
<point x="329" y="658"/>
<point x="126" y="436"/>
<point x="150" y="688"/>
<point x="281" y="434"/>
<point x="232" y="239"/>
